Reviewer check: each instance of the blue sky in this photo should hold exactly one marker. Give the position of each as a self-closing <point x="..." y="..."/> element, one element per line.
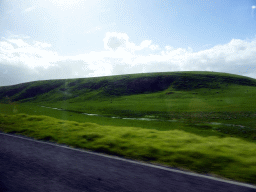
<point x="51" y="39"/>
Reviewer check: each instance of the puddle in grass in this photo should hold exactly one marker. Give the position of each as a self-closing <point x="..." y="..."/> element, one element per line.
<point x="113" y="117"/>
<point x="145" y="119"/>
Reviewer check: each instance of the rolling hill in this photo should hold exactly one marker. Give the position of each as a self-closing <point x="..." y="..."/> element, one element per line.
<point x="121" y="85"/>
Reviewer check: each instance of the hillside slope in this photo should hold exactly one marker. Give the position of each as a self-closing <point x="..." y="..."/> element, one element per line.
<point x="112" y="86"/>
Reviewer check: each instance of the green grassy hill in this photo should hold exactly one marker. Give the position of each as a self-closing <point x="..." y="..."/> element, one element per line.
<point x="59" y="90"/>
<point x="140" y="94"/>
<point x="201" y="121"/>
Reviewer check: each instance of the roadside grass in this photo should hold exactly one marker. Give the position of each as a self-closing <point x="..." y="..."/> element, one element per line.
<point x="227" y="157"/>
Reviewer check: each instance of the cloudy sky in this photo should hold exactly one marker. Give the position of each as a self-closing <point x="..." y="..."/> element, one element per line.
<point x="56" y="39"/>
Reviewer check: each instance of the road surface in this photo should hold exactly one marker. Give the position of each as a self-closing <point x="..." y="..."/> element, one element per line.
<point x="30" y="165"/>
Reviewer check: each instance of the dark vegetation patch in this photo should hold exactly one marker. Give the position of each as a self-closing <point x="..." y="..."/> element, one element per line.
<point x="47" y="138"/>
<point x="11" y="90"/>
<point x="238" y="131"/>
<point x="92" y="85"/>
<point x="12" y="132"/>
<point x="92" y="136"/>
<point x="35" y="118"/>
<point x="129" y="86"/>
<point x="63" y="89"/>
<point x="28" y="90"/>
<point x="34" y="89"/>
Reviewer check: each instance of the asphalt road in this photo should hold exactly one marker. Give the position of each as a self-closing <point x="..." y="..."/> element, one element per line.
<point x="29" y="165"/>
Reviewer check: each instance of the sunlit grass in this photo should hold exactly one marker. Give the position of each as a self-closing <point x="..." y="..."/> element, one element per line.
<point x="228" y="157"/>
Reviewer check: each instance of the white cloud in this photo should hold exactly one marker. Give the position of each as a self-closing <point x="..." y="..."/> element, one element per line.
<point x="29" y="9"/>
<point x="253" y="7"/>
<point x="93" y="30"/>
<point x="18" y="42"/>
<point x="4" y="46"/>
<point x="19" y="52"/>
<point x="145" y="44"/>
<point x="114" y="41"/>
<point x="154" y="47"/>
<point x="41" y="44"/>
<point x="35" y="60"/>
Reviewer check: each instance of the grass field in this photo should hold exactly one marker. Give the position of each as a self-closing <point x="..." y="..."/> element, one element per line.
<point x="200" y="121"/>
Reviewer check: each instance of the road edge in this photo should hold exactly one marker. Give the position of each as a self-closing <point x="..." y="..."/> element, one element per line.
<point x="132" y="161"/>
